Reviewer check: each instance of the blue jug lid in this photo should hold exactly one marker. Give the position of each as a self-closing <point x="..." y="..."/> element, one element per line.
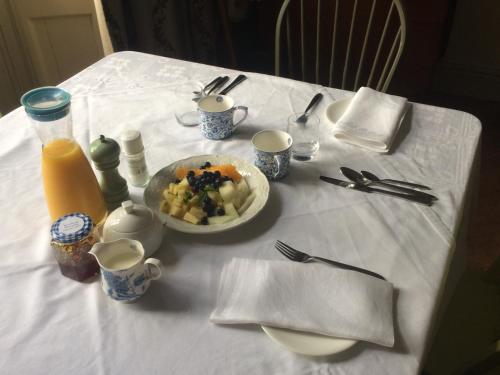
<point x="71" y="227"/>
<point x="46" y="103"/>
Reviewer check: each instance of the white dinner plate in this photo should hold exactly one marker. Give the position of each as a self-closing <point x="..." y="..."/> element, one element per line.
<point x="308" y="343"/>
<point x="335" y="110"/>
<point x="255" y="179"/>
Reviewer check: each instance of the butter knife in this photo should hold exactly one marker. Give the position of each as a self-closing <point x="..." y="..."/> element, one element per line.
<point x="366" y="189"/>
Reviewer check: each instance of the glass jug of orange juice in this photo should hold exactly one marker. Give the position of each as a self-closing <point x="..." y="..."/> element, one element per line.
<point x="69" y="182"/>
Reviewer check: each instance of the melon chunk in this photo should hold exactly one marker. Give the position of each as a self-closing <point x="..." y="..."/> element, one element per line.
<point x="247" y="203"/>
<point x="230" y="210"/>
<point x="241" y="193"/>
<point x="227" y="191"/>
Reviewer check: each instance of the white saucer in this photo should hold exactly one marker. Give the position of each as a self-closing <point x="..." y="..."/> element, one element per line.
<point x="308" y="343"/>
<point x="335" y="110"/>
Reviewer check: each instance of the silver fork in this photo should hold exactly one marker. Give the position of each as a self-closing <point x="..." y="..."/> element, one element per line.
<point x="299" y="256"/>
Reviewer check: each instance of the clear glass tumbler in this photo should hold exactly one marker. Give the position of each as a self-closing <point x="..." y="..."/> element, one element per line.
<point x="185" y="111"/>
<point x="305" y="135"/>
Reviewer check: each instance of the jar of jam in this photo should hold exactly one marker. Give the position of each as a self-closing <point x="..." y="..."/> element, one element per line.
<point x="73" y="235"/>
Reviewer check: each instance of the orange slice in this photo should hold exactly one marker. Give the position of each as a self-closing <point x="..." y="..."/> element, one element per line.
<point x="224" y="169"/>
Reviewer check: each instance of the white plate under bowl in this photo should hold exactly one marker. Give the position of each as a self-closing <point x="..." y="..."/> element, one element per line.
<point x="335" y="110"/>
<point x="255" y="179"/>
<point x="308" y="343"/>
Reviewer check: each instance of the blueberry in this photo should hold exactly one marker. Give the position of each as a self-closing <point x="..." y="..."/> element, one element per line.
<point x="221" y="211"/>
<point x="204" y="221"/>
<point x="190" y="173"/>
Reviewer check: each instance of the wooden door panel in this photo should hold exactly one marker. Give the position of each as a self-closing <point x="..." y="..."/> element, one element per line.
<point x="61" y="37"/>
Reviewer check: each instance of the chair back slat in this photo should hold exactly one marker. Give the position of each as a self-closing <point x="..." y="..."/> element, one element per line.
<point x="363" y="49"/>
<point x="289" y="43"/>
<point x="389" y="58"/>
<point x="348" y="53"/>
<point x="334" y="37"/>
<point x="318" y="32"/>
<point x="302" y="42"/>
<point x="366" y="39"/>
<point x="379" y="48"/>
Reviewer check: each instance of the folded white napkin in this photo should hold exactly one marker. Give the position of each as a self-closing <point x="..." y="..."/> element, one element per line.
<point x="371" y="120"/>
<point x="306" y="297"/>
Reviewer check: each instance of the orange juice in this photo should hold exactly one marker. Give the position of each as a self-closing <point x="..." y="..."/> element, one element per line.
<point x="69" y="181"/>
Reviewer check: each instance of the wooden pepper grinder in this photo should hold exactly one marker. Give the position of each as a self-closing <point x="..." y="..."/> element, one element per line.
<point x="105" y="153"/>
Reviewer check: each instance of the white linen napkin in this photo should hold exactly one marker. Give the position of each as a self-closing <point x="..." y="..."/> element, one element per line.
<point x="310" y="297"/>
<point x="371" y="120"/>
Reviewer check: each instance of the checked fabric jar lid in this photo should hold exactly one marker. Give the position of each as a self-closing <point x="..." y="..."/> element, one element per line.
<point x="71" y="228"/>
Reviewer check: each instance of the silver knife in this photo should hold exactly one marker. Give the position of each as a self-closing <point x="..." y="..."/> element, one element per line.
<point x="366" y="189"/>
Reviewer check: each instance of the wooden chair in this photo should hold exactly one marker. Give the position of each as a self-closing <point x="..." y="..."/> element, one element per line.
<point x="340" y="43"/>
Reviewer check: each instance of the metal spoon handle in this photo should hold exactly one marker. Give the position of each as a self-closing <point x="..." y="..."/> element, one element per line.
<point x="233" y="84"/>
<point x="418" y="186"/>
<point x="405" y="190"/>
<point x="412" y="198"/>
<point x="313" y="102"/>
<point x="209" y="85"/>
<point x="222" y="81"/>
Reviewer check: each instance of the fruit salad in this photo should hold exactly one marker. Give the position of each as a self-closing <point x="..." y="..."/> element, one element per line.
<point x="210" y="194"/>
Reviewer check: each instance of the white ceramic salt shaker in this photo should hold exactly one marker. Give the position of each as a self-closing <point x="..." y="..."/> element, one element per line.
<point x="133" y="150"/>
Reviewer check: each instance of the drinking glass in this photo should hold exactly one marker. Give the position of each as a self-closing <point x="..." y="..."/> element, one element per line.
<point x="185" y="111"/>
<point x="305" y="135"/>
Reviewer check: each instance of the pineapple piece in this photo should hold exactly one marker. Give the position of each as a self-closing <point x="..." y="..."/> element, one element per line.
<point x="227" y="191"/>
<point x="165" y="207"/>
<point x="171" y="188"/>
<point x="193" y="202"/>
<point x="181" y="193"/>
<point x="184" y="184"/>
<point x="197" y="212"/>
<point x="247" y="203"/>
<point x="177" y="211"/>
<point x="178" y="201"/>
<point x="220" y="219"/>
<point x="169" y="197"/>
<point x="190" y="218"/>
<point x="230" y="210"/>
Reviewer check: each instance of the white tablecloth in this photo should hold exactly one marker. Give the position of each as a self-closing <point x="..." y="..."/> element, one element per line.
<point x="51" y="324"/>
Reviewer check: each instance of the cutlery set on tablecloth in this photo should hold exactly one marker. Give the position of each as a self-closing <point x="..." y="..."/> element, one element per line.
<point x="365" y="180"/>
<point x="216" y="84"/>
